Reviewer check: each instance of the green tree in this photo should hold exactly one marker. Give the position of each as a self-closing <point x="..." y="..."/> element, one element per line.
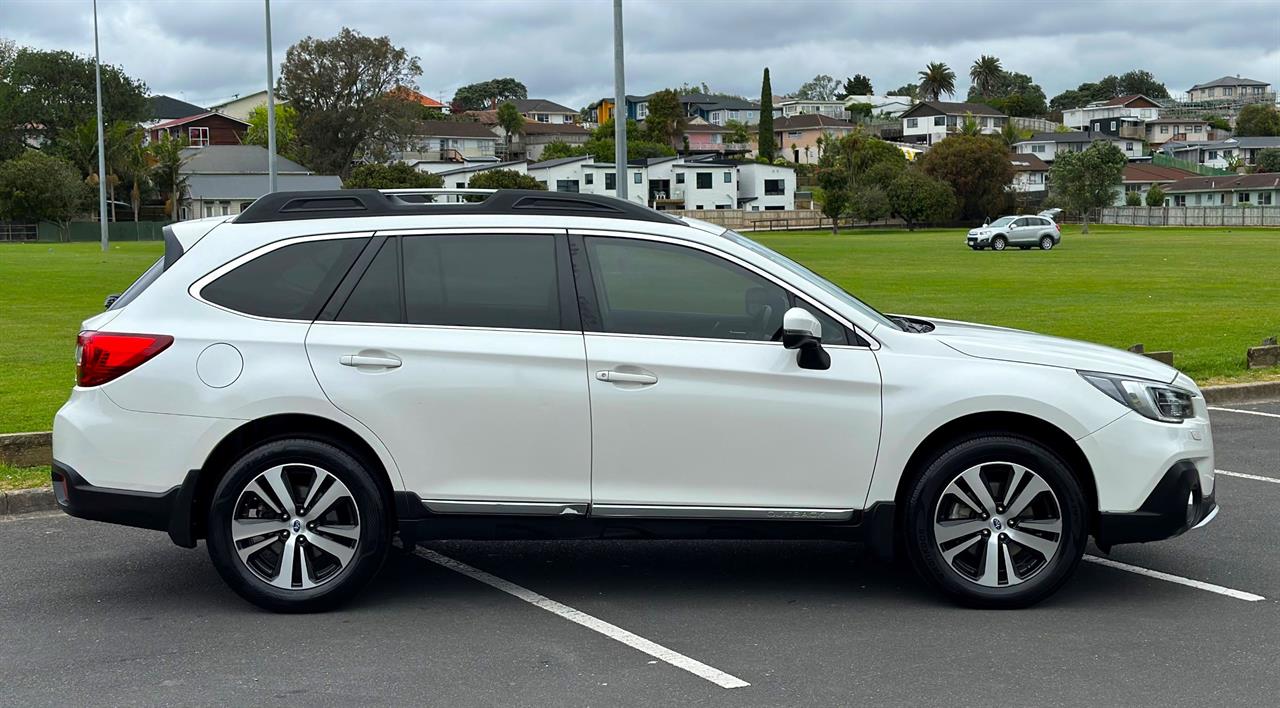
<point x="601" y="144"/>
<point x="1132" y="199"/>
<point x="1088" y="179"/>
<point x="970" y="125"/>
<point x="937" y="79"/>
<point x="505" y="179"/>
<point x="1155" y="196"/>
<point x="1140" y="81"/>
<point x="984" y="74"/>
<point x="1010" y="135"/>
<point x="39" y="187"/>
<point x="1218" y="122"/>
<point x="764" y="143"/>
<point x="167" y="162"/>
<point x="286" y="129"/>
<point x="917" y="198"/>
<point x="1268" y="161"/>
<point x="134" y="164"/>
<point x="1014" y="94"/>
<point x="833" y="204"/>
<point x="512" y="123"/>
<point x="342" y="90"/>
<point x="859" y="111"/>
<point x="1137" y="81"/>
<point x="854" y="171"/>
<point x="820" y="88"/>
<point x="397" y="175"/>
<point x="666" y="121"/>
<point x="739" y="132"/>
<point x="909" y="90"/>
<point x="485" y="95"/>
<point x="557" y="149"/>
<point x="859" y="85"/>
<point x="976" y="167"/>
<point x="53" y="92"/>
<point x="1258" y="119"/>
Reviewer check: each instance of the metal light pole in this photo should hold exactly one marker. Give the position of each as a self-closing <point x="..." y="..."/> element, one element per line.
<point x="102" y="153"/>
<point x="271" y="109"/>
<point x="619" y="105"/>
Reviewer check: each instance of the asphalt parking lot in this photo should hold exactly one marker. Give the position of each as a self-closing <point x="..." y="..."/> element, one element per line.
<point x="94" y="614"/>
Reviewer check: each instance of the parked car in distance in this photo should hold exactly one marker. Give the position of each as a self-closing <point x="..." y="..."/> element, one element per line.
<point x="1022" y="231"/>
<point x="297" y="384"/>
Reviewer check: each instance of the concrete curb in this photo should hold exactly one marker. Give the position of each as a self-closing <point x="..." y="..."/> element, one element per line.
<point x="25" y="501"/>
<point x="1260" y="392"/>
<point x="26" y="449"/>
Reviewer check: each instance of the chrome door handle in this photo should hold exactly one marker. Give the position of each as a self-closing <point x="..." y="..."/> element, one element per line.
<point x="386" y="362"/>
<point x="626" y="377"/>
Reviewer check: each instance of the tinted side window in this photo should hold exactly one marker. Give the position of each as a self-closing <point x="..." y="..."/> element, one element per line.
<point x="376" y="298"/>
<point x="643" y="287"/>
<point x="291" y="283"/>
<point x="832" y="332"/>
<point x="481" y="281"/>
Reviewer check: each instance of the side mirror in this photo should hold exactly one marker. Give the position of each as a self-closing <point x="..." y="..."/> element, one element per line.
<point x="803" y="332"/>
<point x="111" y="300"/>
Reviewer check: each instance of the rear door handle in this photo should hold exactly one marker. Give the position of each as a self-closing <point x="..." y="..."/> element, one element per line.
<point x="626" y="377"/>
<point x="386" y="362"/>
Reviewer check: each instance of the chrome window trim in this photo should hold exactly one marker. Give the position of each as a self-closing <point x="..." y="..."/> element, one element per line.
<point x="470" y="328"/>
<point x="873" y="344"/>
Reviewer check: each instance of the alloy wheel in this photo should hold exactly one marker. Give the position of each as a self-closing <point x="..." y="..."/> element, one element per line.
<point x="295" y="526"/>
<point x="1046" y="243"/>
<point x="998" y="524"/>
<point x="998" y="243"/>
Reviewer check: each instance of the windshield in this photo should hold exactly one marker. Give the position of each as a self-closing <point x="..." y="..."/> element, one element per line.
<point x="826" y="285"/>
<point x="1002" y="221"/>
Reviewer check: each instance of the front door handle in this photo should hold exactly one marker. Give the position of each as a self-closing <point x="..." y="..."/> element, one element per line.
<point x="626" y="377"/>
<point x="386" y="362"/>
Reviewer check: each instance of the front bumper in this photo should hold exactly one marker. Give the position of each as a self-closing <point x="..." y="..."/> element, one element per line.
<point x="160" y="511"/>
<point x="1178" y="503"/>
<point x="976" y="241"/>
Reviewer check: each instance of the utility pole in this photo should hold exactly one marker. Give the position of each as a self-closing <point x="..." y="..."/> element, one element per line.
<point x="102" y="153"/>
<point x="271" y="109"/>
<point x="619" y="105"/>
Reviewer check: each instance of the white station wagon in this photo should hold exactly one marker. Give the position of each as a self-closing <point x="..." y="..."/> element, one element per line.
<point x="299" y="383"/>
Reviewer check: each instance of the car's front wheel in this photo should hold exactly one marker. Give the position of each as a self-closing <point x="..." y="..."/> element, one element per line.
<point x="999" y="243"/>
<point x="996" y="521"/>
<point x="297" y="526"/>
<point x="1046" y="243"/>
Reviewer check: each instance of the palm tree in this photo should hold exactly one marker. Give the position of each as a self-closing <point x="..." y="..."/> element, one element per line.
<point x="937" y="79"/>
<point x="135" y="166"/>
<point x="970" y="125"/>
<point x="169" y="160"/>
<point x="1009" y="134"/>
<point x="984" y="73"/>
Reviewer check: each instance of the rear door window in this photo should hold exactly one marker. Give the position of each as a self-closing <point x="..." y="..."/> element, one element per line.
<point x="377" y="296"/>
<point x="292" y="282"/>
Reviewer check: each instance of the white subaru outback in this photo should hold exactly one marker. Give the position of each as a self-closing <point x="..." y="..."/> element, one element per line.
<point x="299" y="383"/>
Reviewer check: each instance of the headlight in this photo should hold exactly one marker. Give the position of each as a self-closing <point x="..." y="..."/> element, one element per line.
<point x="1152" y="399"/>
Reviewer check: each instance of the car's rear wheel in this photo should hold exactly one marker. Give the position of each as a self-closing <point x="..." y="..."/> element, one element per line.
<point x="996" y="521"/>
<point x="297" y="526"/>
<point x="1046" y="243"/>
<point x="998" y="243"/>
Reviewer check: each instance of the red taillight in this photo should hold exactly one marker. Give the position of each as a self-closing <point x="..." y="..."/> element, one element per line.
<point x="103" y="356"/>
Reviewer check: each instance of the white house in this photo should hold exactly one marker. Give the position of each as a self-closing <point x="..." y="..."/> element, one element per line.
<point x="240" y="106"/>
<point x="890" y="105"/>
<point x="766" y="187"/>
<point x="1046" y="145"/>
<point x="1262" y="189"/>
<point x="930" y="121"/>
<point x="460" y="178"/>
<point x="1231" y="88"/>
<point x="1030" y="173"/>
<point x="1223" y="154"/>
<point x="601" y="178"/>
<point x="451" y="141"/>
<point x="540" y="110"/>
<point x="707" y="185"/>
<point x="794" y="107"/>
<point x="562" y="175"/>
<point x="1133" y="106"/>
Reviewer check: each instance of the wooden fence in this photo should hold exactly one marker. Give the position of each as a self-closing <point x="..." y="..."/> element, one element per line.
<point x="1189" y="216"/>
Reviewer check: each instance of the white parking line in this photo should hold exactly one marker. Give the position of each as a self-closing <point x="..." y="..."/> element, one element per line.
<point x="611" y="631"/>
<point x="1210" y="587"/>
<point x="1241" y="410"/>
<point x="1242" y="475"/>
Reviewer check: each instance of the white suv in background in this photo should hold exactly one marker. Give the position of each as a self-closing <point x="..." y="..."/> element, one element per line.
<point x="300" y="382"/>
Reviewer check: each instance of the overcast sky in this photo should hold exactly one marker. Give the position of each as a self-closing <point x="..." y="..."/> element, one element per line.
<point x="206" y="50"/>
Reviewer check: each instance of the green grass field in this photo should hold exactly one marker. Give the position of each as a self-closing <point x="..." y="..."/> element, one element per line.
<point x="1207" y="294"/>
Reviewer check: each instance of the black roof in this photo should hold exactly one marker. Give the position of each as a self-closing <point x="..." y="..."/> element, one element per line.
<point x="349" y="203"/>
<point x="168" y="107"/>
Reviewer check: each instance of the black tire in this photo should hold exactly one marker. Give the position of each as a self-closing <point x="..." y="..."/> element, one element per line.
<point x="998" y="243"/>
<point x="374" y="529"/>
<point x="927" y="490"/>
<point x="1046" y="243"/>
<point x="1024" y="248"/>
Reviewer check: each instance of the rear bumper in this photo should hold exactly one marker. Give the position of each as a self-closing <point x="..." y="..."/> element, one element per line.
<point x="1178" y="503"/>
<point x="160" y="511"/>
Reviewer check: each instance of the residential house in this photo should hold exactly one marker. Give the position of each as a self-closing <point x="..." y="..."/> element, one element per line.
<point x="1030" y="173"/>
<point x="1232" y="88"/>
<point x="202" y="129"/>
<point x="1126" y="127"/>
<point x="601" y="178"/>
<point x="706" y="184"/>
<point x="460" y="177"/>
<point x="540" y="110"/>
<point x="1046" y="145"/>
<point x="931" y="121"/>
<point x="797" y="137"/>
<point x="712" y="109"/>
<point x="766" y="187"/>
<point x="537" y="136"/>
<point x="239" y="107"/>
<point x="1223" y="154"/>
<point x="451" y="141"/>
<point x="1261" y="189"/>
<point x="166" y="108"/>
<point x="560" y="175"/>
<point x="408" y="94"/>
<point x="225" y="179"/>
<point x="1140" y="177"/>
<point x="703" y="137"/>
<point x="890" y="105"/>
<point x="1163" y="130"/>
<point x="791" y="107"/>
<point x="1132" y="105"/>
